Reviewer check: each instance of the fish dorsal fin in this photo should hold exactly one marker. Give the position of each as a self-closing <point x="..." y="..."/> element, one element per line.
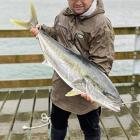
<point x="79" y="84"/>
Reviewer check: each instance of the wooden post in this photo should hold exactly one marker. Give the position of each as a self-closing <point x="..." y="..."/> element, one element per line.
<point x="136" y="62"/>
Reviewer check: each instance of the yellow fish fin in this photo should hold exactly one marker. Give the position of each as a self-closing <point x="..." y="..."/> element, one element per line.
<point x="72" y="93"/>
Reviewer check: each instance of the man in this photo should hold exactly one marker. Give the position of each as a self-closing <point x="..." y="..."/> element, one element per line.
<point x="83" y="28"/>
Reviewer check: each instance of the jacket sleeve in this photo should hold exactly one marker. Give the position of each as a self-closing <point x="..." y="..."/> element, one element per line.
<point x="50" y="30"/>
<point x="102" y="47"/>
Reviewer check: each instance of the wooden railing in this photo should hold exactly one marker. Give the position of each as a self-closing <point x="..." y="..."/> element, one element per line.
<point x="36" y="58"/>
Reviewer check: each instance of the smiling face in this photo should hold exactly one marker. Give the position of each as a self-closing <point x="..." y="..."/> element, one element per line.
<point x="79" y="6"/>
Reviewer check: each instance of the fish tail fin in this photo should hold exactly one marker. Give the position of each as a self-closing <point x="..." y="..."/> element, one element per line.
<point x="27" y="25"/>
<point x="32" y="22"/>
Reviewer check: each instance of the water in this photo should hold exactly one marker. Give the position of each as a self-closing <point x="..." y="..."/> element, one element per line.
<point x="121" y="13"/>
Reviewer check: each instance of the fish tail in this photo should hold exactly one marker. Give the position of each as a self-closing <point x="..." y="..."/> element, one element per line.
<point x="31" y="23"/>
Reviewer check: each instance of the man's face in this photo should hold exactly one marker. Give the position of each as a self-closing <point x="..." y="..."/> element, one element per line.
<point x="79" y="6"/>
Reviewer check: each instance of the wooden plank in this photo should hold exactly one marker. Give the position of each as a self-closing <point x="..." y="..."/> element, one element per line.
<point x="113" y="128"/>
<point x="36" y="58"/>
<point x="7" y="115"/>
<point x="121" y="79"/>
<point x="107" y="114"/>
<point x="31" y="119"/>
<point x="3" y="98"/>
<point x="133" y="109"/>
<point x="127" y="89"/>
<point x="15" y="33"/>
<point x="13" y="119"/>
<point x="43" y="93"/>
<point x="31" y="58"/>
<point x="126" y="30"/>
<point x="23" y="116"/>
<point x="131" y="128"/>
<point x="41" y="106"/>
<point x="3" y="95"/>
<point x="127" y="55"/>
<point x="122" y="126"/>
<point x="25" y="83"/>
<point x="74" y="130"/>
<point x="26" y="33"/>
<point x="103" y="130"/>
<point x="48" y="82"/>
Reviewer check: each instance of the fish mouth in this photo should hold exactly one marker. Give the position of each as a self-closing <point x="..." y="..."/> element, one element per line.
<point x="112" y="106"/>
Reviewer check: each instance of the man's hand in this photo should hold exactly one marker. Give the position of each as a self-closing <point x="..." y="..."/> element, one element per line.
<point x="88" y="98"/>
<point x="35" y="30"/>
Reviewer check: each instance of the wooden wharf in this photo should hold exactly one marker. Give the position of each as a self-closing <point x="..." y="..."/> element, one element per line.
<point x="22" y="101"/>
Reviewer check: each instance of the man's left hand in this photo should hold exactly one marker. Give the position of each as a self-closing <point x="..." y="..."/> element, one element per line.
<point x="88" y="98"/>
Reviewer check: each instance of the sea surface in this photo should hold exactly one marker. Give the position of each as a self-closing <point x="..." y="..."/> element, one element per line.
<point x="121" y="13"/>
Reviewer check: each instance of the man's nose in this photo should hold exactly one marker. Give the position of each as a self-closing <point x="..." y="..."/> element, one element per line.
<point x="78" y="1"/>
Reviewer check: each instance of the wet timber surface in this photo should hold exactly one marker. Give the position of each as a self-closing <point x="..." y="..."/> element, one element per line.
<point x="19" y="108"/>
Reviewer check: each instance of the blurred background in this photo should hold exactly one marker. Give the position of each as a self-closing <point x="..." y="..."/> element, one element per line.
<point x="122" y="13"/>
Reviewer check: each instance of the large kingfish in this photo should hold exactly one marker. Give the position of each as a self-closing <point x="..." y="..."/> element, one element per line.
<point x="78" y="72"/>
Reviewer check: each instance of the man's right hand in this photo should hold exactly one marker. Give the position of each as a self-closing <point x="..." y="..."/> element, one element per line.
<point x="35" y="30"/>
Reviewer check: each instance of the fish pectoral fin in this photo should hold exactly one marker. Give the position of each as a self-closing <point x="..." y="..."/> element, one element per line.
<point x="72" y="93"/>
<point x="78" y="81"/>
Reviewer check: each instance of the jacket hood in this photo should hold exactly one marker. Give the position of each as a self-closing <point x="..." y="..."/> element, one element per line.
<point x="99" y="9"/>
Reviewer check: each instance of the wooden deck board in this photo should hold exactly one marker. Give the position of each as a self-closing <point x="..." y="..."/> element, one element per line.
<point x="113" y="129"/>
<point x="129" y="125"/>
<point x="41" y="106"/>
<point x="7" y="115"/>
<point x="20" y="109"/>
<point x="22" y="118"/>
<point x="3" y="98"/>
<point x="135" y="107"/>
